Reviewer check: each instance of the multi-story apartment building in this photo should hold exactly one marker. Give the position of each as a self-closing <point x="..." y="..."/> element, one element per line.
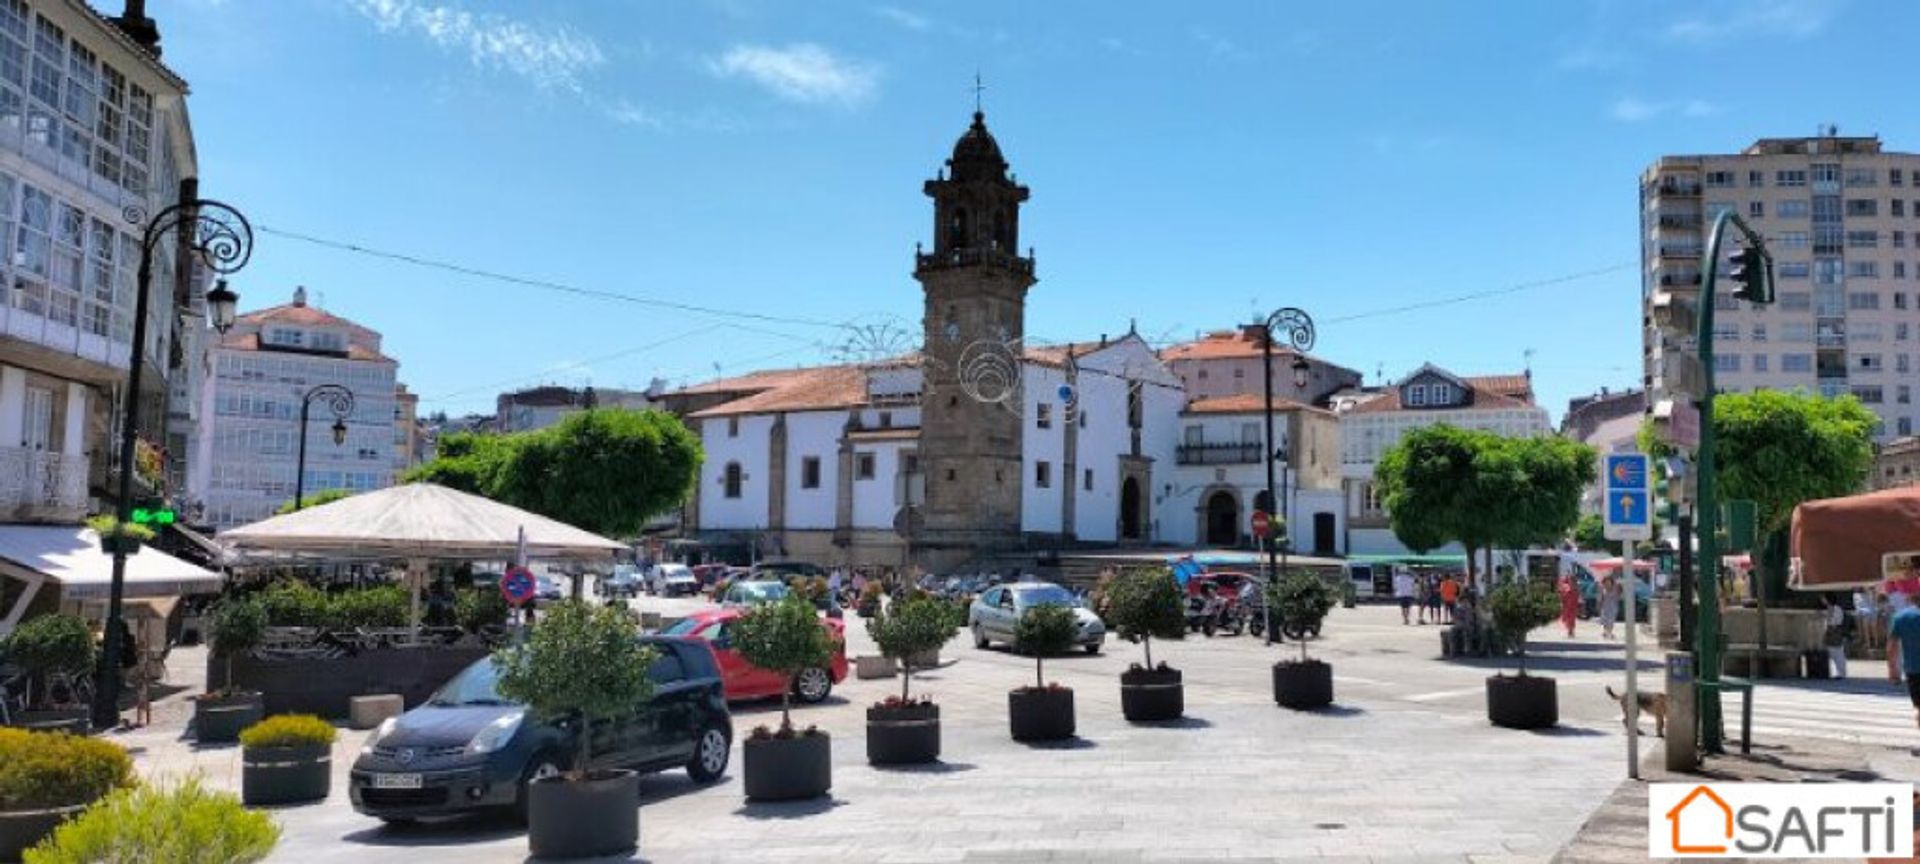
<point x="1227" y="363"/>
<point x="1894" y="464"/>
<point x="1842" y="218"/>
<point x="407" y="434"/>
<point x="250" y="435"/>
<point x="93" y="132"/>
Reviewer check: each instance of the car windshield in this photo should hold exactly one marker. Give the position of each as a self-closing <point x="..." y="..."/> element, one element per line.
<point x="1046" y="595"/>
<point x="473" y="686"/>
<point x="682" y="627"/>
<point x="762" y="592"/>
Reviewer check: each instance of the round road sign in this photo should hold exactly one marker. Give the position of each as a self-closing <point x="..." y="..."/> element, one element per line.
<point x="518" y="585"/>
<point x="1261" y="525"/>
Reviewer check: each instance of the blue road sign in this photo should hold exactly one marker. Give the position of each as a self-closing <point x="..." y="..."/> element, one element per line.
<point x="1626" y="471"/>
<point x="1627" y="507"/>
<point x="1625" y="490"/>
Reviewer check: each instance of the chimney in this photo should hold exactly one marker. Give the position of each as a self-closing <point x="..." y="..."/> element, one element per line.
<point x="300" y="296"/>
<point x="1103" y="340"/>
<point x="141" y="29"/>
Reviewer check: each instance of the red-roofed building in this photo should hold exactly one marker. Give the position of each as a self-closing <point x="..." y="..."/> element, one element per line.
<point x="249" y="433"/>
<point x="1227" y="363"/>
<point x="1221" y="479"/>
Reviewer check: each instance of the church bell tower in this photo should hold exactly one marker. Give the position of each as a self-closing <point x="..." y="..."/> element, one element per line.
<point x="975" y="282"/>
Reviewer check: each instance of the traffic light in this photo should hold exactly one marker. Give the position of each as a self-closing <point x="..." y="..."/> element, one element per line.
<point x="1753" y="270"/>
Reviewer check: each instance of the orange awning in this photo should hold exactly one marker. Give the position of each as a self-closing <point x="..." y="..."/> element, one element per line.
<point x="1838" y="542"/>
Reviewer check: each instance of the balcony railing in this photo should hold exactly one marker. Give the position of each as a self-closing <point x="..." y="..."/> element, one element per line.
<point x="1236" y="453"/>
<point x="971" y="257"/>
<point x="35" y="483"/>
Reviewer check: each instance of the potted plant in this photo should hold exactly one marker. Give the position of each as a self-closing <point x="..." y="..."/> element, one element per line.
<point x="286" y="759"/>
<point x="220" y="714"/>
<point x="905" y="731"/>
<point x="869" y="603"/>
<point x="1302" y="601"/>
<point x="785" y="764"/>
<point x="1043" y="712"/>
<point x="44" y="647"/>
<point x="1522" y="701"/>
<point x="581" y="667"/>
<point x="120" y="537"/>
<point x="172" y="824"/>
<point x="1143" y="604"/>
<point x="47" y="778"/>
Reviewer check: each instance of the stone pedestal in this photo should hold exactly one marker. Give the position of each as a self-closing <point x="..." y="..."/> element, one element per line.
<point x="366" y="712"/>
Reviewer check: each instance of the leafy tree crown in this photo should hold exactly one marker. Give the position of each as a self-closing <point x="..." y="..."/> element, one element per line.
<point x="238" y="626"/>
<point x="917" y="625"/>
<point x="1302" y="599"/>
<point x="1518" y="607"/>
<point x="51" y="643"/>
<point x="1046" y="630"/>
<point x="784" y="637"/>
<point x="1146" y="603"/>
<point x="578" y="660"/>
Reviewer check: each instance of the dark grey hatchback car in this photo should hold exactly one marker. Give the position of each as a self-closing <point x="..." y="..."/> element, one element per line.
<point x="469" y="749"/>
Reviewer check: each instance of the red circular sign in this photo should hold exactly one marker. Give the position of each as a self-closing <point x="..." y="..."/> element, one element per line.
<point x="517" y="585"/>
<point x="1261" y="525"/>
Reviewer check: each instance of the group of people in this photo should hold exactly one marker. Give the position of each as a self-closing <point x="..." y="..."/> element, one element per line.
<point x="1607" y="603"/>
<point x="1434" y="596"/>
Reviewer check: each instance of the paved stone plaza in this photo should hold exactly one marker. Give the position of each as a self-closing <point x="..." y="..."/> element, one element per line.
<point x="1405" y="768"/>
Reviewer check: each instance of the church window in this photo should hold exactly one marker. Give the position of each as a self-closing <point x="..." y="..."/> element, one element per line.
<point x="1043" y="415"/>
<point x="957" y="228"/>
<point x="1087" y="480"/>
<point x="1042" y="475"/>
<point x="863" y="463"/>
<point x="1002" y="235"/>
<point x="733" y="479"/>
<point x="733" y="427"/>
<point x="810" y="472"/>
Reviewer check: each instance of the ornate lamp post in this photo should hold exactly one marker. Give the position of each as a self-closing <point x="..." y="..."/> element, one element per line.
<point x="339" y="400"/>
<point x="223" y="240"/>
<point x="1297" y="326"/>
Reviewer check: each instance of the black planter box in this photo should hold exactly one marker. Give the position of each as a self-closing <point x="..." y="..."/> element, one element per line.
<point x="788" y="770"/>
<point x="326" y="687"/>
<point x="73" y="721"/>
<point x="21" y="830"/>
<point x="588" y="818"/>
<point x="1303" y="685"/>
<point x="1041" y="713"/>
<point x="903" y="736"/>
<point x="219" y="720"/>
<point x="286" y="775"/>
<point x="1149" y="695"/>
<point x="1523" y="702"/>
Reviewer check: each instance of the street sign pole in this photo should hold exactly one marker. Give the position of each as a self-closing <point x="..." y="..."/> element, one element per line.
<point x="1628" y="597"/>
<point x="1626" y="492"/>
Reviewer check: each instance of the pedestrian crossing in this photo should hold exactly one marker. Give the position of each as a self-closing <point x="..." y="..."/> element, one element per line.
<point x="1880" y="717"/>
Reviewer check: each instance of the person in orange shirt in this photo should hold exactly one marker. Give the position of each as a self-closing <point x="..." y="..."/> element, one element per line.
<point x="1449" y="595"/>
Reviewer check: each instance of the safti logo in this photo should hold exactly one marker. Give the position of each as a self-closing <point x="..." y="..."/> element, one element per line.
<point x="1779" y="820"/>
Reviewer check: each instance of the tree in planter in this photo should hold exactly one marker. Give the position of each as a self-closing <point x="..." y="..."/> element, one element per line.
<point x="1143" y="604"/>
<point x="238" y="626"/>
<point x="1046" y="630"/>
<point x="1302" y="601"/>
<point x="580" y="663"/>
<point x="1517" y="608"/>
<point x="51" y="645"/>
<point x="910" y="629"/>
<point x="784" y="637"/>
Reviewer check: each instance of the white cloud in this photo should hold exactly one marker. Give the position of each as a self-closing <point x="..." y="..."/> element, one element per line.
<point x="904" y="18"/>
<point x="801" y="72"/>
<point x="1629" y="109"/>
<point x="547" y="56"/>
<point x="1220" y="47"/>
<point x="1786" y="19"/>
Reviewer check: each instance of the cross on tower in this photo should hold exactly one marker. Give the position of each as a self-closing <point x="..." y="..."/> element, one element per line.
<point x="977" y="88"/>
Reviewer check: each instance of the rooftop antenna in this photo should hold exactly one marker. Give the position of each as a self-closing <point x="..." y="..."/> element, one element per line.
<point x="1379" y="373"/>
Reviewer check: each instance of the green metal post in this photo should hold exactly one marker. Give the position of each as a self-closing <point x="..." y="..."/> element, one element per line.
<point x="1707" y="512"/>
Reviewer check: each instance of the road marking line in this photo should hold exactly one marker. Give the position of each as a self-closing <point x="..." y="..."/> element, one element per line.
<point x="1444" y="694"/>
<point x="1348" y="679"/>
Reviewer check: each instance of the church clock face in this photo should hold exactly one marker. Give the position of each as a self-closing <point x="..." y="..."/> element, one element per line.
<point x="952" y="331"/>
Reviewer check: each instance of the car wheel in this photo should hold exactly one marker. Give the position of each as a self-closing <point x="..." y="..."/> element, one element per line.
<point x="812" y="685"/>
<point x="710" y="754"/>
<point x="979" y="637"/>
<point x="1093" y="647"/>
<point x="539" y="767"/>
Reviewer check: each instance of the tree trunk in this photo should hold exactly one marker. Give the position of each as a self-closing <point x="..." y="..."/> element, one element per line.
<point x="1146" y="644"/>
<point x="1039" y="673"/>
<point x="786" y="703"/>
<point x="1470" y="570"/>
<point x="906" y="675"/>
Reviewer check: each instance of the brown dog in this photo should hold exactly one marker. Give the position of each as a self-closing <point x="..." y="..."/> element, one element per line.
<point x="1654" y="704"/>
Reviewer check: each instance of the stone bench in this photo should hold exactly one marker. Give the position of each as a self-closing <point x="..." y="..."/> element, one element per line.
<point x="874" y="667"/>
<point x="1777" y="661"/>
<point x="366" y="712"/>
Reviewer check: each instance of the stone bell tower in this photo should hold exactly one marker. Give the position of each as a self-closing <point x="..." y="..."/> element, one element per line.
<point x="976" y="284"/>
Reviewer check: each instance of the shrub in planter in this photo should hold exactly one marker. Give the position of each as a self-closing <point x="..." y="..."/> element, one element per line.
<point x="47" y="778"/>
<point x="287" y="759"/>
<point x="1043" y="712"/>
<point x="220" y="714"/>
<point x="50" y="645"/>
<point x="117" y="536"/>
<point x="478" y="608"/>
<point x="1522" y="701"/>
<point x="785" y="637"/>
<point x="581" y="665"/>
<point x="1143" y="604"/>
<point x="1302" y="601"/>
<point x="181" y="824"/>
<point x="869" y="603"/>
<point x="903" y="731"/>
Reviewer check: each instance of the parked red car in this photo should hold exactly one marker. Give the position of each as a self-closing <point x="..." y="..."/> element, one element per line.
<point x="743" y="680"/>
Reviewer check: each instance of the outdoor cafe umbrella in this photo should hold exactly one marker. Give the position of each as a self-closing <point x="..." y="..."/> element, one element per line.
<point x="1842" y="542"/>
<point x="418" y="522"/>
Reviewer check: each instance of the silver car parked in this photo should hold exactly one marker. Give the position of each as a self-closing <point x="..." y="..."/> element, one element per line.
<point x="993" y="613"/>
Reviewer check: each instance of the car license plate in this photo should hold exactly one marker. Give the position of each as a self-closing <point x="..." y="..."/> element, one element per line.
<point x="396" y="781"/>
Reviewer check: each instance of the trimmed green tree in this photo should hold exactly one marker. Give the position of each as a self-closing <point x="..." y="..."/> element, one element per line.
<point x="238" y="626"/>
<point x="784" y="637"/>
<point x="908" y="629"/>
<point x="1145" y="603"/>
<point x="579" y="663"/>
<point x="1045" y="630"/>
<point x="1517" y="608"/>
<point x="51" y="645"/>
<point x="1303" y="601"/>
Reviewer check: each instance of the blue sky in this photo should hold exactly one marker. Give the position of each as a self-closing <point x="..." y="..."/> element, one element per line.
<point x="1189" y="164"/>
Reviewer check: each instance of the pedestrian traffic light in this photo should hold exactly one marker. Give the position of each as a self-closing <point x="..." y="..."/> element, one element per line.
<point x="1753" y="270"/>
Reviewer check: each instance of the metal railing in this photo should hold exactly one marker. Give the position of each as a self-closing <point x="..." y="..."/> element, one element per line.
<point x="40" y="480"/>
<point x="1232" y="453"/>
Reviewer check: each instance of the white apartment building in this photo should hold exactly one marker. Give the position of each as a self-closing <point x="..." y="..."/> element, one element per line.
<point x="250" y="433"/>
<point x="1842" y="218"/>
<point x="1501" y="404"/>
<point x="1220" y="480"/>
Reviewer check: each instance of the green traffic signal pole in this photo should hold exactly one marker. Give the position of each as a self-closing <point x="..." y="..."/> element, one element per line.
<point x="1707" y="518"/>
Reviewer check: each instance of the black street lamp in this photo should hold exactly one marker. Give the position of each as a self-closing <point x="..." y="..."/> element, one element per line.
<point x="222" y="241"/>
<point x="1297" y="326"/>
<point x="339" y="400"/>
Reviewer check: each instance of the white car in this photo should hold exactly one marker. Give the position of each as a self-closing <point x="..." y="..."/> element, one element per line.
<point x="992" y="616"/>
<point x="671" y="580"/>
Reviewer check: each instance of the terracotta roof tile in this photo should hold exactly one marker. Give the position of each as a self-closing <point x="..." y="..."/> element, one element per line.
<point x="1483" y="398"/>
<point x="816" y="389"/>
<point x="1245" y="403"/>
<point x="1220" y="345"/>
<point x="1517" y="386"/>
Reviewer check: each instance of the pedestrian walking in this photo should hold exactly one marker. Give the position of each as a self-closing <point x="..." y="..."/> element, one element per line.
<point x="1450" y="597"/>
<point x="1838" y="634"/>
<point x="1569" y="604"/>
<point x="1422" y="589"/>
<point x="1903" y="651"/>
<point x="1609" y="604"/>
<point x="1403" y="594"/>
